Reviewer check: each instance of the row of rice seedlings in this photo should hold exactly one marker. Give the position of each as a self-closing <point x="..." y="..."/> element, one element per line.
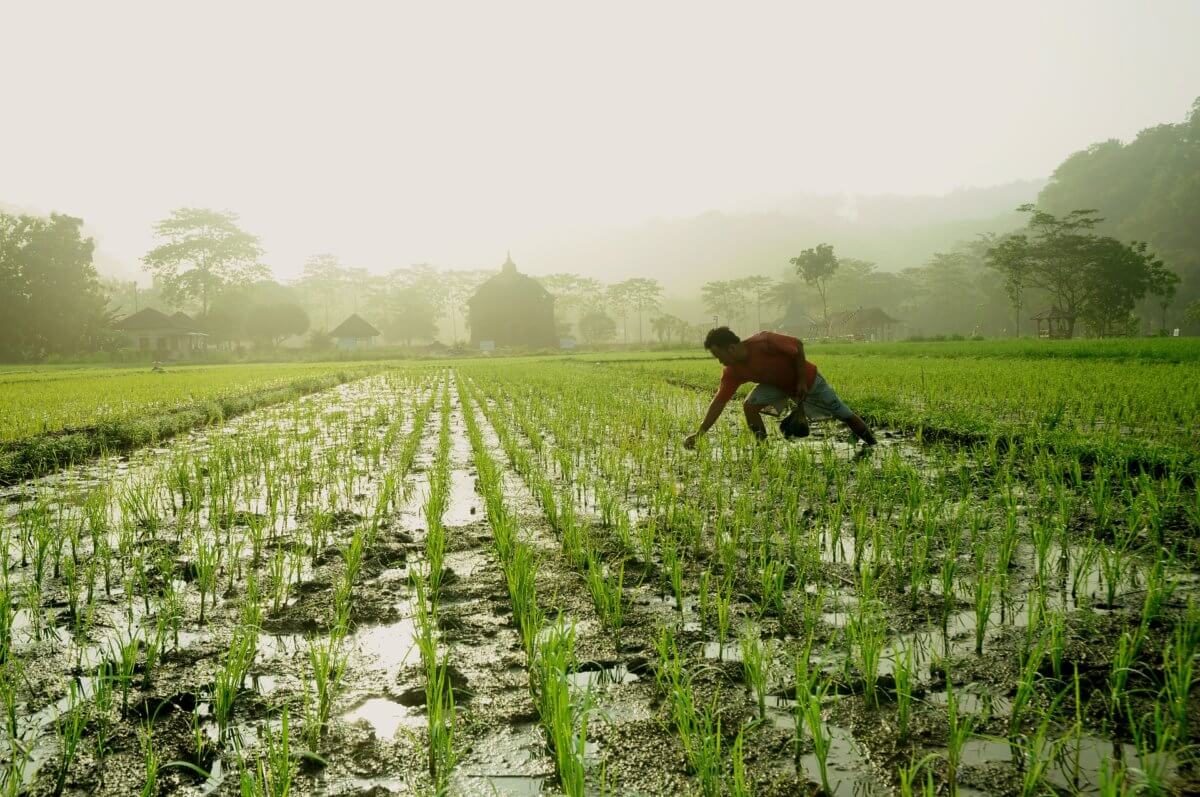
<point x="605" y="581"/>
<point x="550" y="649"/>
<point x="698" y="725"/>
<point x="437" y="500"/>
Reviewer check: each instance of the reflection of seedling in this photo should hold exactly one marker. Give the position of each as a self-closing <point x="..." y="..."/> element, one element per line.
<point x="960" y="727"/>
<point x="902" y="672"/>
<point x="809" y="706"/>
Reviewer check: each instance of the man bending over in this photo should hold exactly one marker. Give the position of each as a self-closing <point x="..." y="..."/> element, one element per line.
<point x="776" y="362"/>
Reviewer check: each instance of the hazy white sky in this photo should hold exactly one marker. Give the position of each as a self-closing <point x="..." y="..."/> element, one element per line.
<point x="394" y="133"/>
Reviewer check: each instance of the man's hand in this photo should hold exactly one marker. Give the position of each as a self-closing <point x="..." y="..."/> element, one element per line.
<point x="689" y="442"/>
<point x="801" y="391"/>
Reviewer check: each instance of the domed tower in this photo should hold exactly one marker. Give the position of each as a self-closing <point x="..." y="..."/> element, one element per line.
<point x="512" y="309"/>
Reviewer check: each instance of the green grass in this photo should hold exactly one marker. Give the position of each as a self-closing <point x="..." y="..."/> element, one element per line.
<point x="51" y="421"/>
<point x="35" y="401"/>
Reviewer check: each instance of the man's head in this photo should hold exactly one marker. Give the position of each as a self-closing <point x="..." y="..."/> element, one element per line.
<point x="724" y="344"/>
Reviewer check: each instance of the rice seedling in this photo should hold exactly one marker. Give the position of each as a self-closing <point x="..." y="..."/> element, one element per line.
<point x="1123" y="661"/>
<point x="272" y="771"/>
<point x="756" y="662"/>
<point x="150" y="758"/>
<point x="867" y="632"/>
<point x="69" y="727"/>
<point x="607" y="592"/>
<point x="959" y="728"/>
<point x="699" y="729"/>
<point x="809" y="706"/>
<point x="327" y="662"/>
<point x="564" y="719"/>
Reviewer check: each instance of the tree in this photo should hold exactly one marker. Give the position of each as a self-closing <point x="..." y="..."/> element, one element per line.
<point x="412" y="316"/>
<point x="667" y="326"/>
<point x="1087" y="276"/>
<point x="1119" y="276"/>
<point x="597" y="326"/>
<point x="324" y="278"/>
<point x="1192" y="313"/>
<point x="1147" y="190"/>
<point x="815" y="266"/>
<point x="202" y="251"/>
<point x="51" y="300"/>
<point x="641" y="294"/>
<point x="1163" y="285"/>
<point x="759" y="289"/>
<point x="460" y="287"/>
<point x="618" y="299"/>
<point x="726" y="298"/>
<point x="277" y="322"/>
<point x="1011" y="257"/>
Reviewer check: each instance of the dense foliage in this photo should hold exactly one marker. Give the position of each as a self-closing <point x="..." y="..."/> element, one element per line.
<point x="51" y="301"/>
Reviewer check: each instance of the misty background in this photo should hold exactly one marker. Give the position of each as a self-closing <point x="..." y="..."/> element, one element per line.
<point x="683" y="143"/>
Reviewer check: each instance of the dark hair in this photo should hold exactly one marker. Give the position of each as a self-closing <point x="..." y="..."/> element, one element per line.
<point x="721" y="336"/>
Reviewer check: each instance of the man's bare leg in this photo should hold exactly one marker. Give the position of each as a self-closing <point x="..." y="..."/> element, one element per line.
<point x="754" y="419"/>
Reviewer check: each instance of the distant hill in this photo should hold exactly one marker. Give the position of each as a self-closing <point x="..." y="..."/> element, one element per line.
<point x="894" y="231"/>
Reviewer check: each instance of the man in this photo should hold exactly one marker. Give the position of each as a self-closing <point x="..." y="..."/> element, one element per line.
<point x="776" y="362"/>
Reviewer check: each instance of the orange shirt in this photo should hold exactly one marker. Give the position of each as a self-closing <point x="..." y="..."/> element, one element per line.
<point x="772" y="361"/>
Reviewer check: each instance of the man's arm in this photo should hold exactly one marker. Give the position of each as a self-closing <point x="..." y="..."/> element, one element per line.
<point x="715" y="408"/>
<point x="801" y="381"/>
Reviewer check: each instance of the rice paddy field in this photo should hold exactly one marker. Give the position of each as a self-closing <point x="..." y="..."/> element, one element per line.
<point x="509" y="577"/>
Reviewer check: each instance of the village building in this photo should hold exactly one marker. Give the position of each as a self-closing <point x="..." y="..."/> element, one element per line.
<point x="865" y="323"/>
<point x="169" y="337"/>
<point x="512" y="309"/>
<point x="354" y="333"/>
<point x="1052" y="323"/>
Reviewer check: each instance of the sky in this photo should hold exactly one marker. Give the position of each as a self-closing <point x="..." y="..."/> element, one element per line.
<point x="399" y="133"/>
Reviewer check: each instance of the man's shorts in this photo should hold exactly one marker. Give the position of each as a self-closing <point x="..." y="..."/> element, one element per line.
<point x="822" y="401"/>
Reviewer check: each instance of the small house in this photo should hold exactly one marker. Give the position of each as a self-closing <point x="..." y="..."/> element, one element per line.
<point x="354" y="333"/>
<point x="169" y="337"/>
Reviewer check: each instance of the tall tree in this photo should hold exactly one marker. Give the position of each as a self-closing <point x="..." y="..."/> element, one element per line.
<point x="618" y="300"/>
<point x="51" y="300"/>
<point x="203" y="251"/>
<point x="597" y="326"/>
<point x="816" y="266"/>
<point x="277" y="322"/>
<point x="1147" y="190"/>
<point x="323" y="279"/>
<point x="642" y="295"/>
<point x="573" y="294"/>
<point x="759" y="289"/>
<point x="1011" y="256"/>
<point x="727" y="298"/>
<point x="1088" y="276"/>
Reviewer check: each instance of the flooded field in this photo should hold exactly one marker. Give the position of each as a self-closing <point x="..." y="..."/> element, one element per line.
<point x="503" y="578"/>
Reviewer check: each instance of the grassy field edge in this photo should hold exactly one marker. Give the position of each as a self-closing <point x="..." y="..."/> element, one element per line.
<point x="45" y="453"/>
